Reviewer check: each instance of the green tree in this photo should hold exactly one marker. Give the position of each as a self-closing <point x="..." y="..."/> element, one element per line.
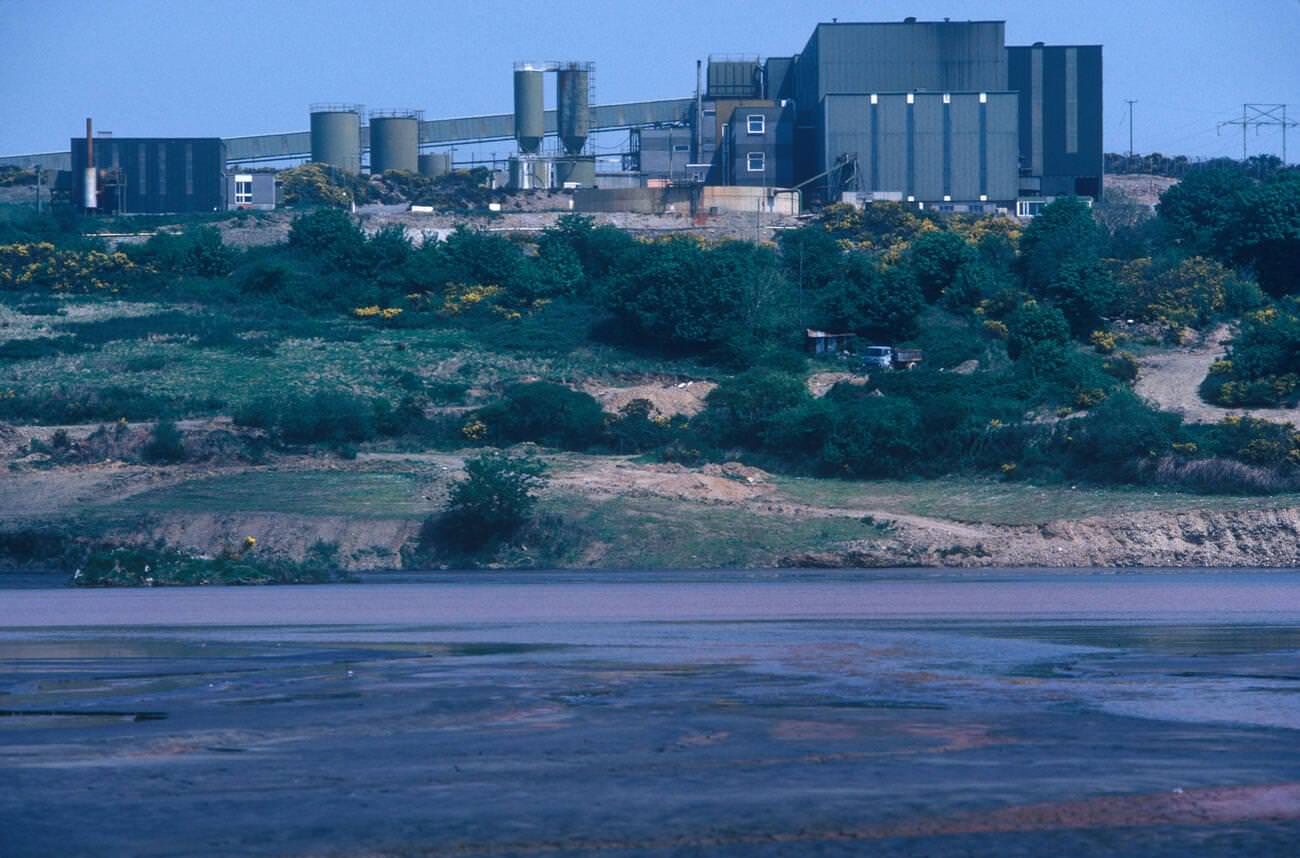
<point x="1038" y="334"/>
<point x="494" y="499"/>
<point x="1264" y="233"/>
<point x="1063" y="232"/>
<point x="742" y="409"/>
<point x="1200" y="207"/>
<point x="868" y="301"/>
<point x="935" y="259"/>
<point x="1085" y="292"/>
<point x="811" y="256"/>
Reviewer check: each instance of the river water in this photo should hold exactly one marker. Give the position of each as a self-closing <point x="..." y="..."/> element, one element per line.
<point x="754" y="713"/>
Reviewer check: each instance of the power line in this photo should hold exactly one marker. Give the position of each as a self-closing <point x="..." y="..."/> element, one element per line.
<point x="1260" y="116"/>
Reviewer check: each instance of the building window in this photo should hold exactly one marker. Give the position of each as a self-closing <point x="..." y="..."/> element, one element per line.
<point x="1029" y="208"/>
<point x="755" y="162"/>
<point x="681" y="147"/>
<point x="243" y="190"/>
<point x="756" y="123"/>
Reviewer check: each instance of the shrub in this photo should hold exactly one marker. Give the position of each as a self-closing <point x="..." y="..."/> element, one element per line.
<point x="638" y="427"/>
<point x="545" y="413"/>
<point x="198" y="251"/>
<point x="935" y="259"/>
<point x="327" y="417"/>
<point x="494" y="499"/>
<point x="743" y="409"/>
<point x="1117" y="435"/>
<point x="1038" y="334"/>
<point x="166" y="446"/>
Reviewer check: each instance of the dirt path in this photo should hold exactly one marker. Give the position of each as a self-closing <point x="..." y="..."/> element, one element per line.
<point x="1172" y="381"/>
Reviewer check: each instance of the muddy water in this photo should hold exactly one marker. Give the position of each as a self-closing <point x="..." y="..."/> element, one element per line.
<point x="745" y="714"/>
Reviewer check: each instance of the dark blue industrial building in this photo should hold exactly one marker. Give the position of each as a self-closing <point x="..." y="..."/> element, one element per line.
<point x="939" y="113"/>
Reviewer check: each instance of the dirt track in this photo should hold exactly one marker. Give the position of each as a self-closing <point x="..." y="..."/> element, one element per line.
<point x="1172" y="381"/>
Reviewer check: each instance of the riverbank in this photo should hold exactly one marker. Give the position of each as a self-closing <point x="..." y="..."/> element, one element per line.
<point x="616" y="512"/>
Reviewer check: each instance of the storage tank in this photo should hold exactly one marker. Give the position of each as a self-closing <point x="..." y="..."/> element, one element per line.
<point x="575" y="171"/>
<point x="435" y="164"/>
<point x="530" y="111"/>
<point x="336" y="136"/>
<point x="572" y="108"/>
<point x="394" y="140"/>
<point x="531" y="173"/>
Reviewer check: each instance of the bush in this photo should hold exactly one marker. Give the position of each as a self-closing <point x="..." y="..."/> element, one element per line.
<point x="545" y="413"/>
<point x="745" y="408"/>
<point x="166" y="446"/>
<point x="638" y="428"/>
<point x="490" y="504"/>
<point x="326" y="417"/>
<point x="1038" y="334"/>
<point x="1118" y="435"/>
<point x="881" y="305"/>
<point x="197" y="251"/>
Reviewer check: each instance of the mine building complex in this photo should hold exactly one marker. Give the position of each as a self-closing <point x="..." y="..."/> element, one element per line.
<point x="937" y="114"/>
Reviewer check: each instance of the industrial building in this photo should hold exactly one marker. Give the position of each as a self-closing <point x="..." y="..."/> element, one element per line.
<point x="940" y="114"/>
<point x="148" y="175"/>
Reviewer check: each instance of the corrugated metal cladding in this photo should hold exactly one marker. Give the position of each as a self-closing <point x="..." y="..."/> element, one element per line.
<point x="778" y="78"/>
<point x="928" y="145"/>
<point x="734" y="79"/>
<point x="665" y="152"/>
<point x="160" y="175"/>
<point x="1060" y="115"/>
<point x="774" y="145"/>
<point x="939" y="56"/>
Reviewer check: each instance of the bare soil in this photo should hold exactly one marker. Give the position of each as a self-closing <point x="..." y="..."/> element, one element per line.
<point x="1172" y="380"/>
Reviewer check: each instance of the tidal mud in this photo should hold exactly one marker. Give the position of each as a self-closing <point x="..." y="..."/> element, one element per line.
<point x="704" y="715"/>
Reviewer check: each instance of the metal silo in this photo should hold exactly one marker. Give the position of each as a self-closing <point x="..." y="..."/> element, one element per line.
<point x="394" y="140"/>
<point x="530" y="115"/>
<point x="336" y="136"/>
<point x="572" y="104"/>
<point x="435" y="164"/>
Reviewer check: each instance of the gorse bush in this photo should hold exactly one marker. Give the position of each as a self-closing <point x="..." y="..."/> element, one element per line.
<point x="327" y="417"/>
<point x="545" y="413"/>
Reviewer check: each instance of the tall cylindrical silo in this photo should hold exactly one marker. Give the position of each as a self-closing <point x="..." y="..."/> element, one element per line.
<point x="394" y="141"/>
<point x="435" y="164"/>
<point x="572" y="111"/>
<point x="530" y="115"/>
<point x="336" y="136"/>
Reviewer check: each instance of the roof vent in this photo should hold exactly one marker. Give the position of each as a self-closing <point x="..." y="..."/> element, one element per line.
<point x="1037" y="45"/>
<point x="909" y="20"/>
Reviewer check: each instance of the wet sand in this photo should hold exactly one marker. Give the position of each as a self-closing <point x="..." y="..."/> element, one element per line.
<point x="766" y="713"/>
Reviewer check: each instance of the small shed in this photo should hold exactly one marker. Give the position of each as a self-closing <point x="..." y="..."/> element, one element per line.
<point x="825" y="343"/>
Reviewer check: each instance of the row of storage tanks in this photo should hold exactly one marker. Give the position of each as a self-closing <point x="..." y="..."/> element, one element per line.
<point x="394" y="140"/>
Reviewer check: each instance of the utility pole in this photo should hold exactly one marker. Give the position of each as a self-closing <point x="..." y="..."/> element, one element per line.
<point x="1259" y="116"/>
<point x="38" y="188"/>
<point x="1131" y="102"/>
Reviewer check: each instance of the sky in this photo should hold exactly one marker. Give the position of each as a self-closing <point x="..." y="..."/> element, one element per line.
<point x="233" y="67"/>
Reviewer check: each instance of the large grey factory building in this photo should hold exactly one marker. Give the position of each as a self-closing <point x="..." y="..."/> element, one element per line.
<point x="939" y="114"/>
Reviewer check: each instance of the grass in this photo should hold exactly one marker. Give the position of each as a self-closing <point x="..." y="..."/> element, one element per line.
<point x="994" y="502"/>
<point x="354" y="356"/>
<point x="357" y="494"/>
<point x="663" y="533"/>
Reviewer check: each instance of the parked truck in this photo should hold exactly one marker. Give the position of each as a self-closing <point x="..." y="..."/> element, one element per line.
<point x="889" y="357"/>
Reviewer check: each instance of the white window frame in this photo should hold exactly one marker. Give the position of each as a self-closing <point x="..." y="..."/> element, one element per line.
<point x="243" y="190"/>
<point x="750" y="120"/>
<point x="762" y="162"/>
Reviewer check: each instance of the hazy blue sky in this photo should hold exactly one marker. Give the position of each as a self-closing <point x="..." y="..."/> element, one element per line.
<point x="231" y="67"/>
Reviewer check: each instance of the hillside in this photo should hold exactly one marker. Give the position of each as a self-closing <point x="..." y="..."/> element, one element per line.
<point x="310" y="388"/>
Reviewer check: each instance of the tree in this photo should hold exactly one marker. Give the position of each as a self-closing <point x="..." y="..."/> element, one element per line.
<point x="1264" y="233"/>
<point x="1085" y="293"/>
<point x="1063" y="232"/>
<point x="935" y="259"/>
<point x="865" y="300"/>
<point x="495" y="497"/>
<point x="811" y="256"/>
<point x="1200" y="207"/>
<point x="1038" y="334"/>
<point x="332" y="235"/>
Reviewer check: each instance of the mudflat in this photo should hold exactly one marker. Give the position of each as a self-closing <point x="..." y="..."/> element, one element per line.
<point x="787" y="712"/>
